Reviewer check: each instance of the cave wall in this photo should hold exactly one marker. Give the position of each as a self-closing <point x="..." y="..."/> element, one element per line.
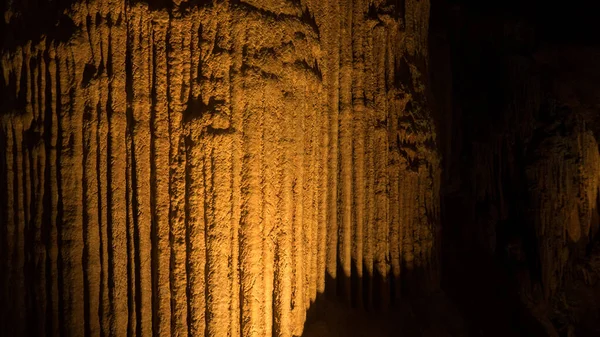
<point x="564" y="189"/>
<point x="520" y="184"/>
<point x="211" y="168"/>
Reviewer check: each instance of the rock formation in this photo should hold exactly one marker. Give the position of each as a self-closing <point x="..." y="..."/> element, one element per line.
<point x="209" y="168"/>
<point x="299" y="167"/>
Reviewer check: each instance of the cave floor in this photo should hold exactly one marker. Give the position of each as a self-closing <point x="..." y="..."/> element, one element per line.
<point x="433" y="316"/>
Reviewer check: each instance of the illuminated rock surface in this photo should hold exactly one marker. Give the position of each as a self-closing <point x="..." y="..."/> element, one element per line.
<point x="289" y="167"/>
<point x="204" y="169"/>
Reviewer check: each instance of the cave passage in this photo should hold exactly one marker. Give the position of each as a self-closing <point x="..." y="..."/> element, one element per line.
<point x="299" y="168"/>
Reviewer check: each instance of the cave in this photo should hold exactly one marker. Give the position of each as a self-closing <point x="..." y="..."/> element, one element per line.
<point x="318" y="168"/>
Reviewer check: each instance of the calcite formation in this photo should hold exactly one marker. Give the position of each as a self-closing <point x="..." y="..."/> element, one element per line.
<point x="564" y="190"/>
<point x="209" y="168"/>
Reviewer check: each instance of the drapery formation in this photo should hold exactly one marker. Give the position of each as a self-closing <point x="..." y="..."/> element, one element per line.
<point x="564" y="187"/>
<point x="205" y="169"/>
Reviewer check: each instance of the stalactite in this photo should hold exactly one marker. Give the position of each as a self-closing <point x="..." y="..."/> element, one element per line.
<point x="345" y="148"/>
<point x="213" y="169"/>
<point x="331" y="34"/>
<point x="117" y="122"/>
<point x="368" y="246"/>
<point x="160" y="176"/>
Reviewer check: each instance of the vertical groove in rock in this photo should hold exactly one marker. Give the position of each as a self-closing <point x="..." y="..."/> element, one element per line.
<point x="102" y="164"/>
<point x="90" y="194"/>
<point x="70" y="203"/>
<point x="306" y="203"/>
<point x="131" y="263"/>
<point x="141" y="81"/>
<point x="26" y="281"/>
<point x="314" y="109"/>
<point x="40" y="228"/>
<point x="369" y="227"/>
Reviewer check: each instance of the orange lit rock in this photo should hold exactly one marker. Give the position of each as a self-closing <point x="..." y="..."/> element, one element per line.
<point x="181" y="169"/>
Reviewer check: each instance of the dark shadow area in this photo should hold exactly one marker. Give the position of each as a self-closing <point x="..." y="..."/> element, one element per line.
<point x="50" y="22"/>
<point x="496" y="98"/>
<point x="372" y="308"/>
<point x="481" y="284"/>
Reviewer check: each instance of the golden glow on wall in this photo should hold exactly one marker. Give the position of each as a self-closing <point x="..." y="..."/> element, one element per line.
<point x="205" y="170"/>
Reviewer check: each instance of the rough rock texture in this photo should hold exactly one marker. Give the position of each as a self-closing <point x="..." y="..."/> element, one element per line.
<point x="183" y="168"/>
<point x="565" y="186"/>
